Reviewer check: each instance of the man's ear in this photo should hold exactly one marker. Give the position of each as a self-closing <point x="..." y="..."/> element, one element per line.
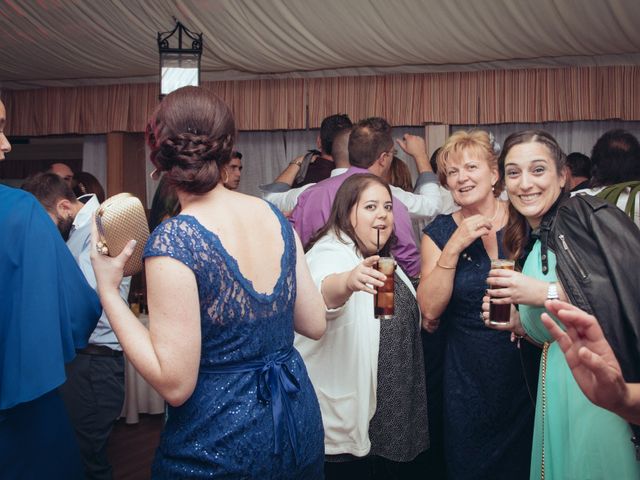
<point x="64" y="208"/>
<point x="378" y="167"/>
<point x="319" y="143"/>
<point x="384" y="160"/>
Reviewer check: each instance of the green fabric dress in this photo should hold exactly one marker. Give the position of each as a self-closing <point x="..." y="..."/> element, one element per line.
<point x="580" y="440"/>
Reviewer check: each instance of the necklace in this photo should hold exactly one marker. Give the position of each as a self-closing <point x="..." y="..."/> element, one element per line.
<point x="495" y="213"/>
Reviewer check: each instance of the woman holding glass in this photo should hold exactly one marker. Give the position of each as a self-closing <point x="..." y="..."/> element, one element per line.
<point x="488" y="412"/>
<point x="574" y="250"/>
<point x="368" y="373"/>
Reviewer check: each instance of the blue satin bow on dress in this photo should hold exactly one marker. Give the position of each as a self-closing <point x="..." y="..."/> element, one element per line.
<point x="276" y="384"/>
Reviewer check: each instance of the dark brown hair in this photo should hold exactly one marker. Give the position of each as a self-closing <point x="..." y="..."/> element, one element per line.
<point x="615" y="158"/>
<point x="368" y="140"/>
<point x="85" y="183"/>
<point x="515" y="233"/>
<point x="346" y="198"/>
<point x="49" y="189"/>
<point x="330" y="127"/>
<point x="400" y="175"/>
<point x="191" y="134"/>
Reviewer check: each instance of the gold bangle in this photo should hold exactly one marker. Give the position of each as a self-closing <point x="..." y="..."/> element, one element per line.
<point x="445" y="267"/>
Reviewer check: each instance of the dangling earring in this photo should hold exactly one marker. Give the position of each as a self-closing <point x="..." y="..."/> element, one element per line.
<point x="155" y="174"/>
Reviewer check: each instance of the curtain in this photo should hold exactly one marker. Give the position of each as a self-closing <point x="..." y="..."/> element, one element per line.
<point x="572" y="136"/>
<point x="452" y="98"/>
<point x="266" y="154"/>
<point x="94" y="157"/>
<point x="263" y="158"/>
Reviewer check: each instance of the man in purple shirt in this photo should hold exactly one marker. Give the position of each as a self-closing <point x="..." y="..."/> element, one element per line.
<point x="370" y="151"/>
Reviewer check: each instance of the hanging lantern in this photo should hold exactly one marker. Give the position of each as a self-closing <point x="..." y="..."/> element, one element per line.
<point x="180" y="53"/>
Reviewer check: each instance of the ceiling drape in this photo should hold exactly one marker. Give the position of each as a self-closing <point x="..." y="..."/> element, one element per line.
<point x="477" y="97"/>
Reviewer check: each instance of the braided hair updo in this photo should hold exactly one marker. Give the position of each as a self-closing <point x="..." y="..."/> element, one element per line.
<point x="191" y="135"/>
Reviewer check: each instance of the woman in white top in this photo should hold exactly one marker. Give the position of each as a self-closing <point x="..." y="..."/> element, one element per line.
<point x="368" y="373"/>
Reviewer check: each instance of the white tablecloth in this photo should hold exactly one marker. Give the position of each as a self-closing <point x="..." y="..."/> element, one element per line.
<point x="139" y="396"/>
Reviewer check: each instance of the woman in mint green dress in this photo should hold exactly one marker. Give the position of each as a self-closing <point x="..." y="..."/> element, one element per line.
<point x="573" y="438"/>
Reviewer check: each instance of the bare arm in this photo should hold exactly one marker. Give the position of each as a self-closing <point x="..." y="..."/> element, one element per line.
<point x="168" y="354"/>
<point x="288" y="175"/>
<point x="309" y="310"/>
<point x="439" y="267"/>
<point x="436" y="283"/>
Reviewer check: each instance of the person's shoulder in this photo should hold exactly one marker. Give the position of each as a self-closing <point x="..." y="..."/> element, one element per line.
<point x="592" y="210"/>
<point x="13" y="197"/>
<point x="324" y="185"/>
<point x="22" y="217"/>
<point x="439" y="224"/>
<point x="584" y="200"/>
<point x="320" y="190"/>
<point x="252" y="205"/>
<point x="331" y="248"/>
<point x="17" y="206"/>
<point x="178" y="225"/>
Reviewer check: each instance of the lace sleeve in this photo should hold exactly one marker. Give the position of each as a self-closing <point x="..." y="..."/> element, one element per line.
<point x="173" y="238"/>
<point x="440" y="230"/>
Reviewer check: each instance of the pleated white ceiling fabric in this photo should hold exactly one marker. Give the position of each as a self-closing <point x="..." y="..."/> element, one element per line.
<point x="79" y="42"/>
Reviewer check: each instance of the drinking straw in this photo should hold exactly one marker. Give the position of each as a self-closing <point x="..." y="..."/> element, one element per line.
<point x="378" y="241"/>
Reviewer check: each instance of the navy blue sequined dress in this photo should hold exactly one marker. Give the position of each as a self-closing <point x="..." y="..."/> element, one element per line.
<point x="488" y="413"/>
<point x="254" y="413"/>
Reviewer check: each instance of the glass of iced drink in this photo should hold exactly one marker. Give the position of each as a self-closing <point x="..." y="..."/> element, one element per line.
<point x="383" y="300"/>
<point x="500" y="314"/>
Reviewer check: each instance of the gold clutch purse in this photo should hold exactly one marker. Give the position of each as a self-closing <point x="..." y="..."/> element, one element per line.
<point x="119" y="219"/>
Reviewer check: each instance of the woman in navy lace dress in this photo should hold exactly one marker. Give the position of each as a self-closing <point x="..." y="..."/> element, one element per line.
<point x="227" y="284"/>
<point x="488" y="413"/>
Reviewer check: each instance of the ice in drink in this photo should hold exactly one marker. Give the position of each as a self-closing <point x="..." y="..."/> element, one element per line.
<point x="383" y="300"/>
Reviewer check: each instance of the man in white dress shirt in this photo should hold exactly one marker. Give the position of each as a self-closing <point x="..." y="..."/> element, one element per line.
<point x="94" y="390"/>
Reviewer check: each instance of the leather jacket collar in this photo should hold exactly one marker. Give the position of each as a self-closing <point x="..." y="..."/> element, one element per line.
<point x="542" y="233"/>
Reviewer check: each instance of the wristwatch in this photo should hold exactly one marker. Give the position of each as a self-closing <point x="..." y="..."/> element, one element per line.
<point x="552" y="292"/>
<point x="296" y="161"/>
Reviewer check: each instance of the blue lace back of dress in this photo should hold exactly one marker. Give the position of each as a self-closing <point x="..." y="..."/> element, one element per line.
<point x="238" y="323"/>
<point x="229" y="428"/>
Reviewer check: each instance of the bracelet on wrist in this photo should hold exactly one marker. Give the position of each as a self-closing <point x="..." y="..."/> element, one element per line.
<point x="445" y="267"/>
<point x="296" y="162"/>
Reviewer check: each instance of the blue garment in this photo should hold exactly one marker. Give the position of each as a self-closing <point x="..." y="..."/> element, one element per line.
<point x="253" y="413"/>
<point x="488" y="413"/>
<point x="47" y="310"/>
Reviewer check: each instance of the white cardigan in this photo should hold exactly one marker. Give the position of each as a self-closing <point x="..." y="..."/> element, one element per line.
<point x="343" y="364"/>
